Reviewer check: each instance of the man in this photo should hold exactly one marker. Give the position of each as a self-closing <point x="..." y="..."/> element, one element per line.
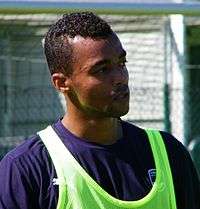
<point x="90" y="159"/>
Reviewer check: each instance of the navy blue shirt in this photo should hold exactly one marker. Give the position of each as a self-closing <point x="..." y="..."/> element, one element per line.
<point x="122" y="169"/>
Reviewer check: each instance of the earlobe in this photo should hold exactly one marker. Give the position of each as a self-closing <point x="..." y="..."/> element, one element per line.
<point x="64" y="89"/>
<point x="60" y="82"/>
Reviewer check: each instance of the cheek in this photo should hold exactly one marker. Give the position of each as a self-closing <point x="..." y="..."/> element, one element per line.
<point x="97" y="96"/>
<point x="93" y="90"/>
<point x="101" y="91"/>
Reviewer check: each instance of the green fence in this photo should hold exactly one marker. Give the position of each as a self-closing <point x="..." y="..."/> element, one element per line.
<point x="163" y="67"/>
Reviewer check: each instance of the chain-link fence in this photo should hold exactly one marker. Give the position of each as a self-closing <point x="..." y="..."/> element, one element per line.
<point x="164" y="89"/>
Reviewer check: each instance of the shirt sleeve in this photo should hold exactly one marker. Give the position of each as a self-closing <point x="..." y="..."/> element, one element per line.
<point x="188" y="184"/>
<point x="185" y="177"/>
<point x="15" y="191"/>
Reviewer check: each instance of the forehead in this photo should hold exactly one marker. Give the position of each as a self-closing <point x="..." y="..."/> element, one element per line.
<point x="87" y="50"/>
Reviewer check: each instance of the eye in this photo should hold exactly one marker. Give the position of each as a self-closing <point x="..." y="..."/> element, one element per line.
<point x="100" y="71"/>
<point x="103" y="70"/>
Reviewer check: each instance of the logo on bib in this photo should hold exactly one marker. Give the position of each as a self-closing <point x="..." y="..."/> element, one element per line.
<point x="152" y="175"/>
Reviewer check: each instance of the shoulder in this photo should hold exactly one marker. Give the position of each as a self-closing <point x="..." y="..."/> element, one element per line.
<point x="27" y="168"/>
<point x="174" y="147"/>
<point x="185" y="178"/>
<point x="25" y="159"/>
<point x="171" y="143"/>
<point x="177" y="152"/>
<point x="31" y="146"/>
<point x="184" y="173"/>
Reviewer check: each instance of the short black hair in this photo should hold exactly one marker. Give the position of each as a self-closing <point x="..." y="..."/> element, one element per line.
<point x="58" y="51"/>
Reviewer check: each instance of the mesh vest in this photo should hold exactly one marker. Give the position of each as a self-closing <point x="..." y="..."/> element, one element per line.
<point x="77" y="190"/>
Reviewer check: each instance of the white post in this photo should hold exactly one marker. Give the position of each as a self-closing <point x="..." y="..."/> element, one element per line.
<point x="178" y="56"/>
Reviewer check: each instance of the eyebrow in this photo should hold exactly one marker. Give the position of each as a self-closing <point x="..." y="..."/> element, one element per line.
<point x="107" y="61"/>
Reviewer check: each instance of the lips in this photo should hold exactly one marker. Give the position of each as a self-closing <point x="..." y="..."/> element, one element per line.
<point x="121" y="93"/>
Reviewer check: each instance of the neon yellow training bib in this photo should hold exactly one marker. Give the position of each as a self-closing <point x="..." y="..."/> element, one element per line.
<point x="77" y="190"/>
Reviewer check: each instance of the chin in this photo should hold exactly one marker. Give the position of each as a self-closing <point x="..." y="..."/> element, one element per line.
<point x="118" y="113"/>
<point x="114" y="111"/>
<point x="122" y="114"/>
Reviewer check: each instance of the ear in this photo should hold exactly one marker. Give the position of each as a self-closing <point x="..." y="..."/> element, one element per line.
<point x="61" y="82"/>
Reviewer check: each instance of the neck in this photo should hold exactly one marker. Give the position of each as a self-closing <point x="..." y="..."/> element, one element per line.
<point x="98" y="130"/>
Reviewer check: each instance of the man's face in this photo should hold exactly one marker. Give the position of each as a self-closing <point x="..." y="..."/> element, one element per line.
<point x="99" y="82"/>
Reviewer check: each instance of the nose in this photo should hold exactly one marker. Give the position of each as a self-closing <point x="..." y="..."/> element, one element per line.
<point x="120" y="75"/>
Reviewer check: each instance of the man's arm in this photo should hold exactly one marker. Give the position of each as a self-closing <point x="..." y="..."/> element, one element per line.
<point x="185" y="178"/>
<point x="188" y="185"/>
<point x="15" y="191"/>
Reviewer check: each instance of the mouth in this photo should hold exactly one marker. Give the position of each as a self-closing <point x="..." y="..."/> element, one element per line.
<point x="122" y="95"/>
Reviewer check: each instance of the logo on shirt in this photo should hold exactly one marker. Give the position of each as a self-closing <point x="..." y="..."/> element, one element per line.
<point x="152" y="175"/>
<point x="55" y="181"/>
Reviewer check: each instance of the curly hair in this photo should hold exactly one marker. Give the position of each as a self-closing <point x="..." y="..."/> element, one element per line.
<point x="58" y="50"/>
